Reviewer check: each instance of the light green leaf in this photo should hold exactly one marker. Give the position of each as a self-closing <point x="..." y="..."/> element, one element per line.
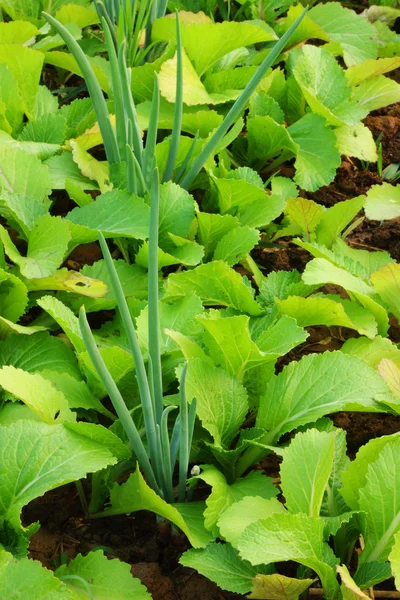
<point x="336" y="218"/>
<point x="376" y="93"/>
<point x="216" y="284"/>
<point x="390" y="372"/>
<point x="372" y="351"/>
<point x="371" y="573"/>
<point x="320" y="272"/>
<point x="221" y="400"/>
<point x="305" y="471"/>
<point x="317" y="385"/>
<point x="349" y="589"/>
<point x="90" y="167"/>
<point x="282" y="284"/>
<point x="370" y="68"/>
<point x="317" y="155"/>
<point x="212" y="227"/>
<point x="383" y="202"/>
<point x="240" y="515"/>
<point x="394" y="558"/>
<point x="23" y="173"/>
<point x="17" y="32"/>
<point x="26" y="66"/>
<point x="222" y="564"/>
<point x="10" y="95"/>
<point x="325" y="88"/>
<point x="49" y="129"/>
<point x="281" y="337"/>
<point x="357" y="141"/>
<point x="36" y="457"/>
<point x="327" y="311"/>
<point x="65" y="318"/>
<point x="69" y="281"/>
<point x="106" y="579"/>
<point x="63" y="169"/>
<point x="75" y="13"/>
<point x="233" y="193"/>
<point x="267" y="139"/>
<point x="135" y="494"/>
<point x="37" y="393"/>
<point x="21" y="212"/>
<point x="46" y="247"/>
<point x="305" y="213"/>
<point x="100" y="66"/>
<point x="28" y="578"/>
<point x="283" y="537"/>
<point x="35" y="353"/>
<point x="386" y="282"/>
<point x="371" y="261"/>
<point x="13" y="296"/>
<point x="8" y="328"/>
<point x="278" y="587"/>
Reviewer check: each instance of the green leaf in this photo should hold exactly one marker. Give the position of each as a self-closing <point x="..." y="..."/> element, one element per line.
<point x="305" y="471"/>
<point x="281" y="285"/>
<point x="36" y="457"/>
<point x="216" y="284"/>
<point x="63" y="169"/>
<point x="39" y="352"/>
<point x="108" y="579"/>
<point x="357" y="141"/>
<point x="13" y="296"/>
<point x="394" y="558"/>
<point x="267" y="139"/>
<point x="329" y="312"/>
<point x="382" y="202"/>
<point x="376" y="93"/>
<point x="75" y="13"/>
<point x="283" y="537"/>
<point x="176" y="214"/>
<point x="281" y="337"/>
<point x="325" y="88"/>
<point x="116" y="214"/>
<point x="305" y="213"/>
<point x="372" y="351"/>
<point x="371" y="261"/>
<point x="46" y="247"/>
<point x="349" y="589"/>
<point x="222" y="564"/>
<point x="26" y="66"/>
<point x="212" y="227"/>
<point x="391" y="374"/>
<point x="372" y="573"/>
<point x="49" y="128"/>
<point x="100" y="66"/>
<point x="21" y="212"/>
<point x="10" y="95"/>
<point x="28" y="578"/>
<point x="317" y="155"/>
<point x="320" y="272"/>
<point x="240" y="515"/>
<point x="317" y="385"/>
<point x="224" y="495"/>
<point x="65" y="318"/>
<point x="135" y="494"/>
<point x="386" y="282"/>
<point x="23" y="173"/>
<point x="233" y="193"/>
<point x="221" y="400"/>
<point x="355" y="35"/>
<point x="336" y="218"/>
<point x="90" y="167"/>
<point x="278" y="587"/>
<point x="37" y="393"/>
<point x="370" y="68"/>
<point x="17" y="32"/>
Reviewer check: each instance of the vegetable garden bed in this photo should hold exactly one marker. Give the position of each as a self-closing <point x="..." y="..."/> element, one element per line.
<point x="199" y="300"/>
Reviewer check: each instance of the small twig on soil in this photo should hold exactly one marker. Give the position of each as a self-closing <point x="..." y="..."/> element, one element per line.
<point x="378" y="593"/>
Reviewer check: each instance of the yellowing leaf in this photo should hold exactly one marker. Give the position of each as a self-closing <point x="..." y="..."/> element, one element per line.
<point x="391" y="374"/>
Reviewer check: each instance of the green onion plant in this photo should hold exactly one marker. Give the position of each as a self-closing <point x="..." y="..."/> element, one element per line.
<point x="124" y="145"/>
<point x="158" y="457"/>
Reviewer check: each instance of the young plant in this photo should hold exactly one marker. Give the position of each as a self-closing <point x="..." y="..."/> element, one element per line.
<point x="158" y="462"/>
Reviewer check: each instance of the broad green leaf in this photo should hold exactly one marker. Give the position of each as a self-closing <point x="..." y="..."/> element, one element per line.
<point x="135" y="494"/>
<point x="283" y="537"/>
<point x="40" y="150"/>
<point x="240" y="515"/>
<point x="370" y="68"/>
<point x="390" y="372"/>
<point x="229" y="344"/>
<point x="45" y="102"/>
<point x="46" y="247"/>
<point x="90" y="167"/>
<point x="104" y="578"/>
<point x="336" y="218"/>
<point x="355" y="477"/>
<point x="357" y="141"/>
<point x="26" y="66"/>
<point x="326" y="311"/>
<point x="376" y="93"/>
<point x="349" y="589"/>
<point x="37" y="393"/>
<point x="320" y="272"/>
<point x="186" y="252"/>
<point x="266" y="139"/>
<point x="372" y="351"/>
<point x="35" y="353"/>
<point x="8" y="328"/>
<point x="221" y="400"/>
<point x="305" y="471"/>
<point x="278" y="587"/>
<point x="216" y="284"/>
<point x="222" y="564"/>
<point x="17" y="32"/>
<point x="23" y="173"/>
<point x="218" y="38"/>
<point x="10" y="95"/>
<point x="394" y="558"/>
<point x="224" y="495"/>
<point x="188" y="347"/>
<point x="305" y="213"/>
<point x="36" y="457"/>
<point x="317" y="155"/>
<point x="233" y="193"/>
<point x="386" y="282"/>
<point x="355" y="35"/>
<point x="212" y="227"/>
<point x="119" y="363"/>
<point x="382" y="202"/>
<point x="176" y="214"/>
<point x="21" y="212"/>
<point x="281" y="285"/>
<point x="371" y="573"/>
<point x="75" y="13"/>
<point x="116" y="214"/>
<point x="26" y="578"/>
<point x="65" y="318"/>
<point x="100" y="66"/>
<point x="13" y="296"/>
<point x="371" y="261"/>
<point x="380" y="499"/>
<point x="63" y="169"/>
<point x="317" y="385"/>
<point x="49" y="129"/>
<point x="325" y="88"/>
<point x="194" y="92"/>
